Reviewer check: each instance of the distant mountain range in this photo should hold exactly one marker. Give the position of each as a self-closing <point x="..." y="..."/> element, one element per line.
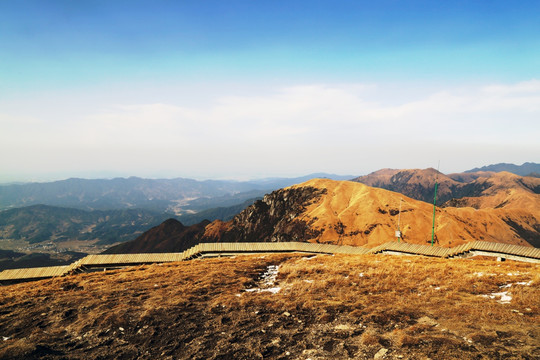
<point x="419" y="184"/>
<point x="162" y="195"/>
<point x="187" y="196"/>
<point x="526" y="169"/>
<point x="45" y="224"/>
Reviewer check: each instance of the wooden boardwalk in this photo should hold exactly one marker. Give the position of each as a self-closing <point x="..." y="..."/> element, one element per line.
<point x="114" y="261"/>
<point x="409" y="249"/>
<point x="31" y="274"/>
<point x="505" y="251"/>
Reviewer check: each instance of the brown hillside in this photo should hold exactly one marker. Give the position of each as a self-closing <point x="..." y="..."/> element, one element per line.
<point x="418" y="184"/>
<point x="479" y="190"/>
<point x="467" y="177"/>
<point x="503" y="190"/>
<point x="356" y="214"/>
<point x="349" y="213"/>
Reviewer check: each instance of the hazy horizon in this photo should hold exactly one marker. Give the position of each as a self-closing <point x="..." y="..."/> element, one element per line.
<point x="246" y="90"/>
<point x="164" y="176"/>
<point x="110" y="176"/>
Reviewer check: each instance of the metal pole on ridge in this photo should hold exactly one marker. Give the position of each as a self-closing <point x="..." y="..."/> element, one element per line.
<point x="434" y="204"/>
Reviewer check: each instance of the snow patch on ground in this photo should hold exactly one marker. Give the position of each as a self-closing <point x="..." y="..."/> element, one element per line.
<point x="267" y="281"/>
<point x="480" y="274"/>
<point x="273" y="290"/>
<point x="269" y="277"/>
<point x="504" y="297"/>
<point x="523" y="283"/>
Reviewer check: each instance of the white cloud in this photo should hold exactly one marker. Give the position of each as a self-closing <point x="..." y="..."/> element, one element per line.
<point x="298" y="128"/>
<point x="524" y="87"/>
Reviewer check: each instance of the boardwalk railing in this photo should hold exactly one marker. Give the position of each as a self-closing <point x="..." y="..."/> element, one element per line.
<point x="505" y="251"/>
<point x="112" y="261"/>
<point x="29" y="274"/>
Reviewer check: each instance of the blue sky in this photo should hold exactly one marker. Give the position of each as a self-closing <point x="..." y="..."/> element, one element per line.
<point x="240" y="89"/>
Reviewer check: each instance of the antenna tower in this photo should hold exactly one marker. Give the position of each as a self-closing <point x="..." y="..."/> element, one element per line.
<point x="434" y="204"/>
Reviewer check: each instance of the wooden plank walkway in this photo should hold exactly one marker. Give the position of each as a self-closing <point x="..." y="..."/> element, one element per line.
<point x="506" y="251"/>
<point x="208" y="249"/>
<point x="411" y="249"/>
<point x="104" y="261"/>
<point x="29" y="274"/>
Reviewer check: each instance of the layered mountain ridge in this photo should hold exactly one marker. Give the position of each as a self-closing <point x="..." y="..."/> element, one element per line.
<point x="506" y="209"/>
<point x="419" y="184"/>
<point x="525" y="169"/>
<point x="178" y="195"/>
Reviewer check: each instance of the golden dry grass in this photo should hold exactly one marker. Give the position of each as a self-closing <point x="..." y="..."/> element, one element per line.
<point x="337" y="307"/>
<point x="352" y="213"/>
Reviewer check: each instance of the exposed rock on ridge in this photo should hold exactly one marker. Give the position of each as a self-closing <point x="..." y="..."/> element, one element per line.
<point x="272" y="219"/>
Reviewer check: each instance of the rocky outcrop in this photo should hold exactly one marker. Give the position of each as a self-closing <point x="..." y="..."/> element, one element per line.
<point x="274" y="218"/>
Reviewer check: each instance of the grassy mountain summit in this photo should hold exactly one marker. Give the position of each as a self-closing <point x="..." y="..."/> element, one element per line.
<point x="280" y="307"/>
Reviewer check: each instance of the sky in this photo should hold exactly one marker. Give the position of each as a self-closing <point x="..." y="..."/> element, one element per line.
<point x="252" y="89"/>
